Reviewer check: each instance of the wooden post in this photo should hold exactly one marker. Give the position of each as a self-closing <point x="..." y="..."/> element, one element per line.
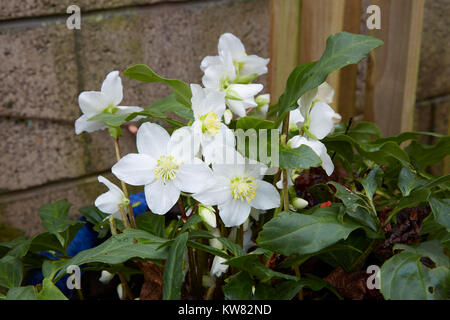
<point x="284" y="43"/>
<point x="396" y="65"/>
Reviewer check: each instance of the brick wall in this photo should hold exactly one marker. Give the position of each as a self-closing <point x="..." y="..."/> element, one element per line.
<point x="44" y="66"/>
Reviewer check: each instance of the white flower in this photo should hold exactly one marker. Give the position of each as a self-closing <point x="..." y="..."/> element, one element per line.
<point x="262" y="107"/>
<point x="110" y="201"/>
<point x="279" y="184"/>
<point x="107" y="100"/>
<point x="231" y="47"/>
<point x="232" y="71"/>
<point x="318" y="147"/>
<point x="209" y="132"/>
<point x="236" y="188"/>
<point x="240" y="97"/>
<point x="319" y="117"/>
<point x="217" y="267"/>
<point x="165" y="165"/>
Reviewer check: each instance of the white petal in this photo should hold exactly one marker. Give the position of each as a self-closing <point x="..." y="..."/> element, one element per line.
<point x="306" y="100"/>
<point x="192" y="177"/>
<point x="322" y="120"/>
<point x="229" y="161"/>
<point x="217" y="267"/>
<point x="161" y="197"/>
<point x="135" y="169"/>
<point x="267" y="196"/>
<point x="108" y="202"/>
<point x="214" y="148"/>
<point x="111" y="186"/>
<point x="229" y="43"/>
<point x="254" y="64"/>
<point x="92" y="102"/>
<point x="184" y="144"/>
<point x="209" y="61"/>
<point x="327" y="163"/>
<point x="246" y="90"/>
<point x="325" y="93"/>
<point x="255" y="169"/>
<point x="127" y="110"/>
<point x="296" y="118"/>
<point x="82" y="124"/>
<point x="152" y="139"/>
<point x="218" y="191"/>
<point x="112" y="88"/>
<point x="234" y="212"/>
<point x="238" y="107"/>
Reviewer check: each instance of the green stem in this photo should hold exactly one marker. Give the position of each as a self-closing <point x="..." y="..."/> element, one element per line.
<point x="125" y="191"/>
<point x="363" y="256"/>
<point x="298" y="275"/>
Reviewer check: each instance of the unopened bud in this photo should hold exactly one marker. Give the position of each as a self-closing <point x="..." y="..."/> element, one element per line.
<point x="208" y="215"/>
<point x="299" y="203"/>
<point x="227" y="116"/>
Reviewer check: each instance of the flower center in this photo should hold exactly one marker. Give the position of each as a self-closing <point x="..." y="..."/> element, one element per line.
<point x="243" y="188"/>
<point x="210" y="123"/>
<point x="166" y="168"/>
<point x="111" y="109"/>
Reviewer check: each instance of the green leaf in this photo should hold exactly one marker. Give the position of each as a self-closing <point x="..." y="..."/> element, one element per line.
<point x="425" y="155"/>
<point x="356" y="207"/>
<point x="302" y="157"/>
<point x="22" y="293"/>
<point x="254" y="267"/>
<point x="238" y="287"/>
<point x="372" y="181"/>
<point x="414" y="199"/>
<point x="342" y="49"/>
<point x="168" y="104"/>
<point x="408" y="181"/>
<point x="50" y="292"/>
<point x="408" y="275"/>
<point x="18" y="247"/>
<point x="132" y="243"/>
<point x="143" y="73"/>
<point x="208" y="249"/>
<point x="192" y="221"/>
<point x="441" y="211"/>
<point x="54" y="219"/>
<point x="173" y="269"/>
<point x="51" y="267"/>
<point x="302" y="234"/>
<point x="152" y="223"/>
<point x="11" y="269"/>
<point x="113" y="120"/>
<point x="254" y="123"/>
<point x="234" y="248"/>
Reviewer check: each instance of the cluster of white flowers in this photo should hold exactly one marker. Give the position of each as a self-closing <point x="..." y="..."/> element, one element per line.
<point x="199" y="159"/>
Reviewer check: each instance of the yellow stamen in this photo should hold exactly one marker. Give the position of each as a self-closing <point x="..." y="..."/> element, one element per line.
<point x="210" y="123"/>
<point x="243" y="188"/>
<point x="166" y="168"/>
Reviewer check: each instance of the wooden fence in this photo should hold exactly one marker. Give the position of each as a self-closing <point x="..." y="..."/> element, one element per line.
<point x="299" y="29"/>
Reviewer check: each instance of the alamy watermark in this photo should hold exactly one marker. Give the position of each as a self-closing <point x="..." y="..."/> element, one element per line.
<point x="74" y="20"/>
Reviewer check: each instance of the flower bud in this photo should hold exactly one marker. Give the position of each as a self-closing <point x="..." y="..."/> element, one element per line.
<point x="227" y="116"/>
<point x="120" y="291"/>
<point x="106" y="277"/>
<point x="262" y="99"/>
<point x="299" y="203"/>
<point x="208" y="215"/>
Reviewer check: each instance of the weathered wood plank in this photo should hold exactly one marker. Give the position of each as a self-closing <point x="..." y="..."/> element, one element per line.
<point x="284" y="43"/>
<point x="396" y="65"/>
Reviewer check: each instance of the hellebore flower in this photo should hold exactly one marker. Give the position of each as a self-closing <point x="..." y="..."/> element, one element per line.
<point x="318" y="147"/>
<point x="209" y="106"/>
<point x="165" y="165"/>
<point x="319" y="117"/>
<point x="107" y="100"/>
<point x="111" y="201"/>
<point x="232" y="72"/>
<point x="217" y="267"/>
<point x="236" y="188"/>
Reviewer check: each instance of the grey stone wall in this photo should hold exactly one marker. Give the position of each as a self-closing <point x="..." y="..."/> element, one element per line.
<point x="44" y="66"/>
